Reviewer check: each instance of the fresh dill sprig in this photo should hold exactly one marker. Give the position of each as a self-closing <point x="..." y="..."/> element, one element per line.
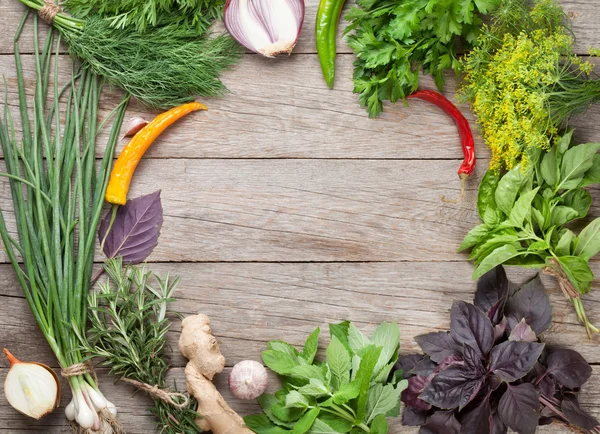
<point x="128" y="327"/>
<point x="196" y="15"/>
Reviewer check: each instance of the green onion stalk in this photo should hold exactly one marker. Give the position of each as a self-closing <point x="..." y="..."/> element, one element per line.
<point x="57" y="196"/>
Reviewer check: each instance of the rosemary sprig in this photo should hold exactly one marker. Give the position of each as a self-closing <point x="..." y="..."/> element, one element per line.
<point x="128" y="326"/>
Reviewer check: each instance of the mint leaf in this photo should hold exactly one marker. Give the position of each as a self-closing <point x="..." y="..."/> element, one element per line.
<point x="315" y="388"/>
<point x="380" y="425"/>
<point x="356" y="339"/>
<point x="387" y="336"/>
<point x="346" y="392"/>
<point x="311" y="346"/>
<point x="339" y="363"/>
<point x="280" y="362"/>
<point x="363" y="377"/>
<point x="295" y="399"/>
<point x="260" y="424"/>
<point x="306" y="421"/>
<point x="381" y="400"/>
<point x="320" y="427"/>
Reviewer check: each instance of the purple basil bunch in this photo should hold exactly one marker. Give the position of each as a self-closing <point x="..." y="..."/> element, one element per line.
<point x="490" y="372"/>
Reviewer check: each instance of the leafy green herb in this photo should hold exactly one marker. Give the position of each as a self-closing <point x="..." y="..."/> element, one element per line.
<point x="351" y="391"/>
<point x="128" y="328"/>
<point x="394" y="40"/>
<point x="524" y="215"/>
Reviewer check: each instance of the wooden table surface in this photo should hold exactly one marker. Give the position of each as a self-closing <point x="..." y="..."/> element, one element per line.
<point x="286" y="208"/>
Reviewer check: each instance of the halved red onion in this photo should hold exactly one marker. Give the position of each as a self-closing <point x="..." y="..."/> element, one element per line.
<point x="267" y="27"/>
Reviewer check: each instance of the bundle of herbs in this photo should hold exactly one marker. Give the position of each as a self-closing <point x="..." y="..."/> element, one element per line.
<point x="128" y="315"/>
<point x="524" y="81"/>
<point x="166" y="65"/>
<point x="57" y="191"/>
<point x="526" y="214"/>
<point x="352" y="390"/>
<point x="394" y="40"/>
<point x="490" y="372"/>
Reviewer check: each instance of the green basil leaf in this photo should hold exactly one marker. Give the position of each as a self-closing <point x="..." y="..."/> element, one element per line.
<point x="539" y="218"/>
<point x="522" y="208"/>
<point x="588" y="244"/>
<point x="576" y="161"/>
<point x="549" y="168"/>
<point x="578" y="272"/>
<point x="339" y="362"/>
<point x="306" y="421"/>
<point x="592" y="176"/>
<point x="474" y="237"/>
<point x="492" y="244"/>
<point x="486" y="202"/>
<point x="538" y="246"/>
<point x="563" y="143"/>
<point x="379" y="425"/>
<point x="563" y="248"/>
<point x="533" y="260"/>
<point x="508" y="188"/>
<point x="497" y="257"/>
<point x="562" y="214"/>
<point x="580" y="200"/>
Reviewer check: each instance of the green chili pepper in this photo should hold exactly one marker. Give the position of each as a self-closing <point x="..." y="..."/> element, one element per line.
<point x="328" y="17"/>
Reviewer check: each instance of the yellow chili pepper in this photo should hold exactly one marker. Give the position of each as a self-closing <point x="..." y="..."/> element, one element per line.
<point x="122" y="172"/>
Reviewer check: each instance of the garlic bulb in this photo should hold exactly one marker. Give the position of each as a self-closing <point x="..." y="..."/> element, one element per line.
<point x="248" y="379"/>
<point x="31" y="388"/>
<point x="267" y="27"/>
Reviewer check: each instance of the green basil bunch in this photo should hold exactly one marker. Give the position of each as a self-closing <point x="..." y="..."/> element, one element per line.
<point x="526" y="216"/>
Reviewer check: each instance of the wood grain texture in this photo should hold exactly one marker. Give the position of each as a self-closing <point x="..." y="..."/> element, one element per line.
<point x="583" y="13"/>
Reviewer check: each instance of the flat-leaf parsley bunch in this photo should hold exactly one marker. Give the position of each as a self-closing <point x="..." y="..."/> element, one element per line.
<point x="395" y="39"/>
<point x="352" y="390"/>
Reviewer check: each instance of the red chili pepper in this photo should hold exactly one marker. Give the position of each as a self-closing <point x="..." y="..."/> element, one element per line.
<point x="464" y="130"/>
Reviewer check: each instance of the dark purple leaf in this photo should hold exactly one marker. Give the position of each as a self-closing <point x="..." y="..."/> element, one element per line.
<point x="425" y="367"/>
<point x="500" y="328"/>
<point x="522" y="333"/>
<point x="477" y="419"/>
<point x="470" y="326"/>
<point x="410" y="395"/>
<point x="496" y="312"/>
<point x="414" y="417"/>
<point x="532" y="303"/>
<point x="496" y="424"/>
<point x="441" y="422"/>
<point x="453" y="388"/>
<point x="473" y="362"/>
<point x="547" y="386"/>
<point x="407" y="363"/>
<point x="576" y="415"/>
<point x="449" y="361"/>
<point x="437" y="345"/>
<point x="492" y="290"/>
<point x="568" y="367"/>
<point x="513" y="360"/>
<point x="135" y="231"/>
<point x="519" y="408"/>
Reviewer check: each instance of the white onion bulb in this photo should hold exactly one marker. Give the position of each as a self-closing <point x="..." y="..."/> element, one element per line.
<point x="31" y="388"/>
<point x="248" y="380"/>
<point x="267" y="27"/>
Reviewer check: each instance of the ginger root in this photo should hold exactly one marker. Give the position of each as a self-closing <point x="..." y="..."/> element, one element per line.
<point x="200" y="347"/>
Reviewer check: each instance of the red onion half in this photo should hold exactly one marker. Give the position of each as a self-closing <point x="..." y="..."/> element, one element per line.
<point x="267" y="27"/>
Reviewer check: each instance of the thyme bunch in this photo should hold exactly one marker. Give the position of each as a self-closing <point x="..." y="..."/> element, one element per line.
<point x="128" y="316"/>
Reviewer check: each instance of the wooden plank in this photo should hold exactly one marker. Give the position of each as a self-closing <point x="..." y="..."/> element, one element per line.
<point x="584" y="14"/>
<point x="136" y="420"/>
<point x="250" y="304"/>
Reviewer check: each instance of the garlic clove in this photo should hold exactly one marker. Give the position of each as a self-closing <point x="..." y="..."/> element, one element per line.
<point x="31" y="388"/>
<point x="248" y="380"/>
<point x="267" y="27"/>
<point x="134" y="125"/>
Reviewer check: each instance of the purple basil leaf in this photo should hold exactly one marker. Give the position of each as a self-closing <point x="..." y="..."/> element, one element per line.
<point x="449" y="361"/>
<point x="410" y="395"/>
<point x="543" y="420"/>
<point x="413" y="417"/>
<point x="519" y="408"/>
<point x="547" y="386"/>
<point x="437" y="345"/>
<point x="425" y="367"/>
<point x="522" y="333"/>
<point x="568" y="367"/>
<point x="470" y="326"/>
<point x="406" y="363"/>
<point x="532" y="303"/>
<point x="496" y="312"/>
<point x="453" y="388"/>
<point x="513" y="360"/>
<point x="492" y="290"/>
<point x="576" y="415"/>
<point x="441" y="422"/>
<point x="135" y="231"/>
<point x="477" y="419"/>
<point x="496" y="424"/>
<point x="473" y="362"/>
<point x="500" y="328"/>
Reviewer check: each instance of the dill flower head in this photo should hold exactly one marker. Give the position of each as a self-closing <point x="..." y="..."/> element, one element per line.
<point x="512" y="78"/>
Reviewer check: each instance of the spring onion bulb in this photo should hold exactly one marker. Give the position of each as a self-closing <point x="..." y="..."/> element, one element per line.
<point x="267" y="27"/>
<point x="31" y="388"/>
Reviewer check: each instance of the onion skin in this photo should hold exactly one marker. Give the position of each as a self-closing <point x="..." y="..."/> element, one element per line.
<point x="297" y="8"/>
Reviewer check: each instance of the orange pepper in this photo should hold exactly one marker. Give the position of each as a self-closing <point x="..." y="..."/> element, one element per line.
<point x="122" y="172"/>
